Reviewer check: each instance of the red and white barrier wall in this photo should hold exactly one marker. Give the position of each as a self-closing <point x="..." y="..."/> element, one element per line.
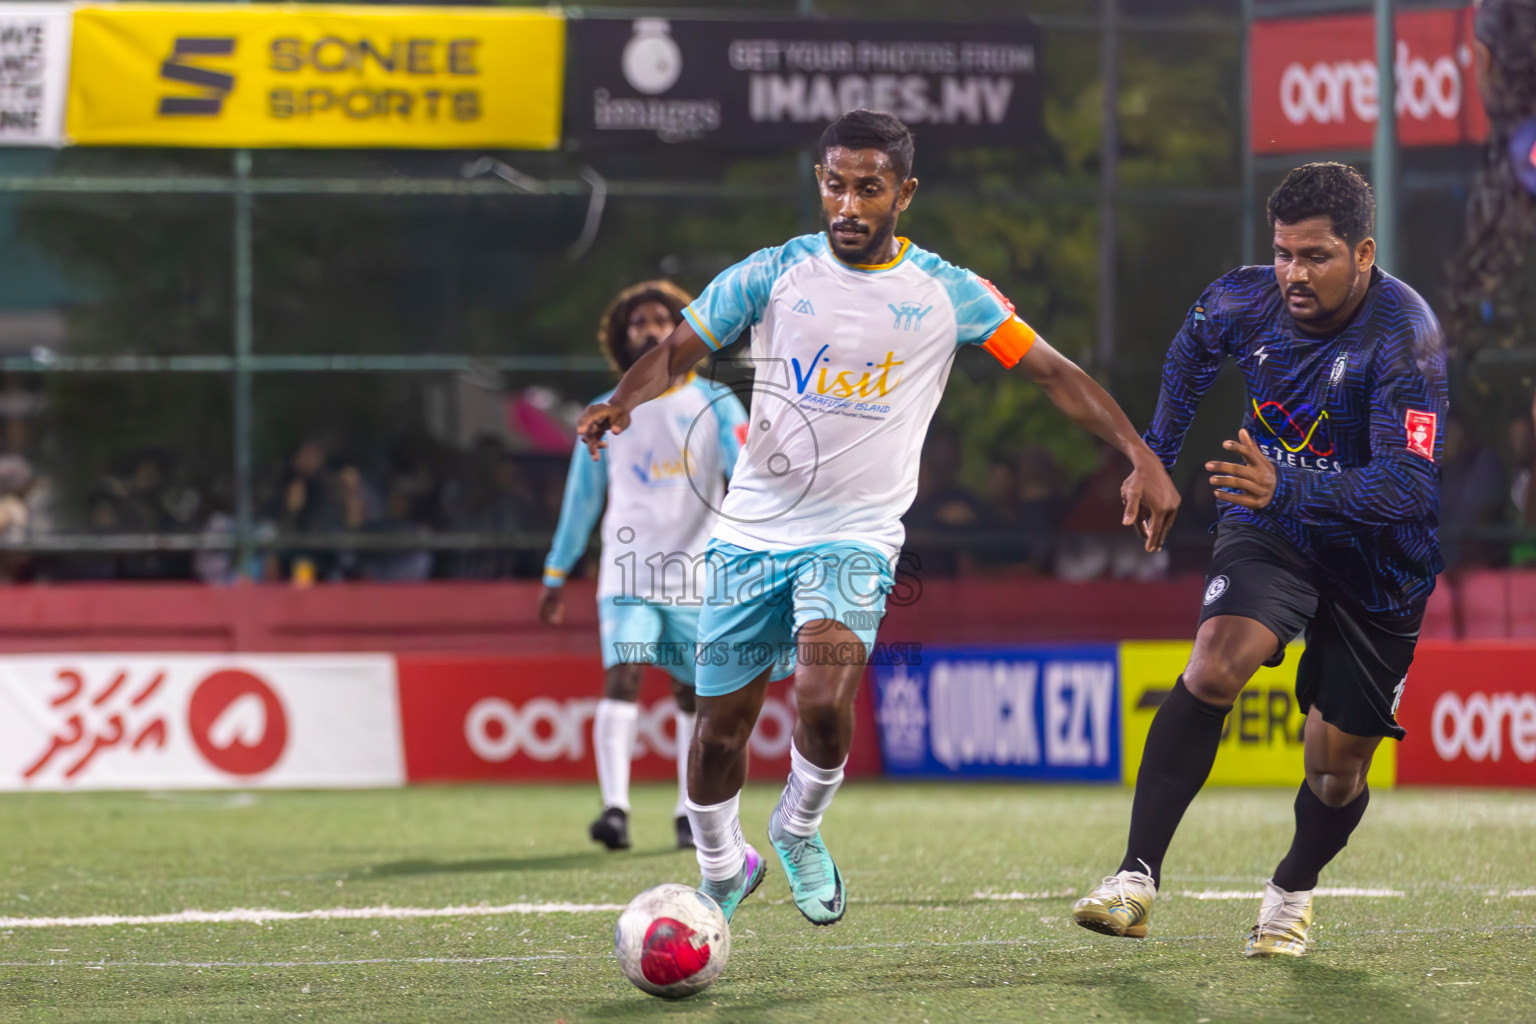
<point x="219" y="719"/>
<point x="1470" y="712"/>
<point x="145" y="721"/>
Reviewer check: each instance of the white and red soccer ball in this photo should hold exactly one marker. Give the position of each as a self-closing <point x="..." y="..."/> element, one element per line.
<point x="672" y="941"/>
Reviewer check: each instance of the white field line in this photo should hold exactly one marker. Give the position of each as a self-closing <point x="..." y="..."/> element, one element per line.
<point x="1257" y="894"/>
<point x="1048" y="945"/>
<point x="299" y="963"/>
<point x="242" y="915"/>
<point x="1006" y="897"/>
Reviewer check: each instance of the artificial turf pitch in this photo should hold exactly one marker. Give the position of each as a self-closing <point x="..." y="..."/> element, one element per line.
<point x="925" y="938"/>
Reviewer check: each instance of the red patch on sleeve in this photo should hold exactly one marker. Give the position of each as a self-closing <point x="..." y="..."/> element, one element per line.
<point x="1008" y="305"/>
<point x="741" y="433"/>
<point x="1421" y="433"/>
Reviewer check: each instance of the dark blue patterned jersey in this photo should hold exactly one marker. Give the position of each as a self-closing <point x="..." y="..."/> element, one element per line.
<point x="1353" y="423"/>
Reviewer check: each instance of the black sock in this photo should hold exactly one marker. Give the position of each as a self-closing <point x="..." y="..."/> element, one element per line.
<point x="1181" y="747"/>
<point x="1321" y="832"/>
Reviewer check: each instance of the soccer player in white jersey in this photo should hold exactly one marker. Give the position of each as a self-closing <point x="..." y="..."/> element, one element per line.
<point x="663" y="484"/>
<point x="854" y="332"/>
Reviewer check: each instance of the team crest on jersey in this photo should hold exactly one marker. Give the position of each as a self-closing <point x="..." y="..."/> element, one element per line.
<point x="1217" y="587"/>
<point x="1421" y="433"/>
<point x="909" y="315"/>
<point x="804" y="306"/>
<point x="1339" y="366"/>
<point x="1200" y="315"/>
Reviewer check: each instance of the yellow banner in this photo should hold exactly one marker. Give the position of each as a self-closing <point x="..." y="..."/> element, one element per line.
<point x="1262" y="742"/>
<point x="270" y="75"/>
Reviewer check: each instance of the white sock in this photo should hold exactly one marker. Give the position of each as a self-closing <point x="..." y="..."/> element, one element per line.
<point x="722" y="852"/>
<point x="613" y="740"/>
<point x="807" y="796"/>
<point x="684" y="720"/>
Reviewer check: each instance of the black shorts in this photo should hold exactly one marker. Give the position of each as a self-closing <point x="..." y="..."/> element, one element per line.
<point x="1355" y="663"/>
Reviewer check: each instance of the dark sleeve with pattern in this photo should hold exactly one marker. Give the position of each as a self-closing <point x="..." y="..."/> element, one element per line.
<point x="1189" y="370"/>
<point x="1400" y="482"/>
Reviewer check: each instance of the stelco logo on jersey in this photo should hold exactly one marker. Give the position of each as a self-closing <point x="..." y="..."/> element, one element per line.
<point x="259" y="75"/>
<point x="1295" y="437"/>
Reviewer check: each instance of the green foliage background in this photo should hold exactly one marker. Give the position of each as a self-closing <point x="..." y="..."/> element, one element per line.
<point x="154" y="275"/>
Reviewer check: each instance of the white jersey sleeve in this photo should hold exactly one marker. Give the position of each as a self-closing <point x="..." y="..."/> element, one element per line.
<point x="738" y="297"/>
<point x="980" y="309"/>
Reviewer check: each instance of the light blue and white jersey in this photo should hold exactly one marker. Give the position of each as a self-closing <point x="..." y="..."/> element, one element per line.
<point x="663" y="479"/>
<point x="851" y="362"/>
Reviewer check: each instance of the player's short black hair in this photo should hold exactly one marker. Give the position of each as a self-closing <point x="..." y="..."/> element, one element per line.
<point x="1326" y="189"/>
<point x="870" y="129"/>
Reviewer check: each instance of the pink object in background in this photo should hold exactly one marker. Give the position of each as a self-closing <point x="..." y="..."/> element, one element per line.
<point x="531" y="414"/>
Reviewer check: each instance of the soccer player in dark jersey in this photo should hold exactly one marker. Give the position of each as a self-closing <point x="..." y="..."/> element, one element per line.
<point x="1327" y="529"/>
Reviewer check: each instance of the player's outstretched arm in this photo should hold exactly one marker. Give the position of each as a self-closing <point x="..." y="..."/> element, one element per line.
<point x="1151" y="500"/>
<point x="652" y="374"/>
<point x="586" y="489"/>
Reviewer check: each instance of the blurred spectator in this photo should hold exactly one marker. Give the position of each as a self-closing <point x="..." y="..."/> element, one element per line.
<point x="20" y="495"/>
<point x="1024" y="502"/>
<point x="140" y="501"/>
<point x="490" y="495"/>
<point x="301" y="496"/>
<point x="300" y="506"/>
<point x="943" y="514"/>
<point x="351" y="505"/>
<point x="411" y="505"/>
<point x="1003" y="541"/>
<point x="216" y="566"/>
<point x="1041" y="503"/>
<point x="1093" y="543"/>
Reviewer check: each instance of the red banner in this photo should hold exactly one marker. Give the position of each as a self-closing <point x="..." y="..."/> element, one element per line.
<point x="1470" y="712"/>
<point x="511" y="719"/>
<point x="1314" y="83"/>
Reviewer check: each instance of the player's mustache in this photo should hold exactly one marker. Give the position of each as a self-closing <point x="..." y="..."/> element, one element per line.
<point x="1305" y="293"/>
<point x="850" y="225"/>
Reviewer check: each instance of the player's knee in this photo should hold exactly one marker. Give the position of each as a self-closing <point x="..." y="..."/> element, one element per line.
<point x="684" y="697"/>
<point x="622" y="682"/>
<point x="721" y="739"/>
<point x="821" y="718"/>
<point x="818" y="708"/>
<point x="1337" y="789"/>
<point x="1215" y="679"/>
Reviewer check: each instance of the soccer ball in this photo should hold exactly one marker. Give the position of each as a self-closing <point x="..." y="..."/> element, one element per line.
<point x="672" y="941"/>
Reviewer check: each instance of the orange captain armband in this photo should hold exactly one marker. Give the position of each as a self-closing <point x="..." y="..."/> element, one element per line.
<point x="1010" y="342"/>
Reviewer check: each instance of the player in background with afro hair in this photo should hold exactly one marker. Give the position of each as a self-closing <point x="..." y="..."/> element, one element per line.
<point x="663" y="482"/>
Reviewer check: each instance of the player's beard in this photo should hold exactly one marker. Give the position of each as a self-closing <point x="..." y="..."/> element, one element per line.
<point x="876" y="244"/>
<point x="626" y="360"/>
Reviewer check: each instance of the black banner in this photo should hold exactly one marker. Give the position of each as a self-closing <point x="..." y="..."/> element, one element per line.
<point x="775" y="84"/>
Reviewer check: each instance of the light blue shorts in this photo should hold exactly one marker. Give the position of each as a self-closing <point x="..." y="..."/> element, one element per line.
<point x="757" y="604"/>
<point x="643" y="632"/>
